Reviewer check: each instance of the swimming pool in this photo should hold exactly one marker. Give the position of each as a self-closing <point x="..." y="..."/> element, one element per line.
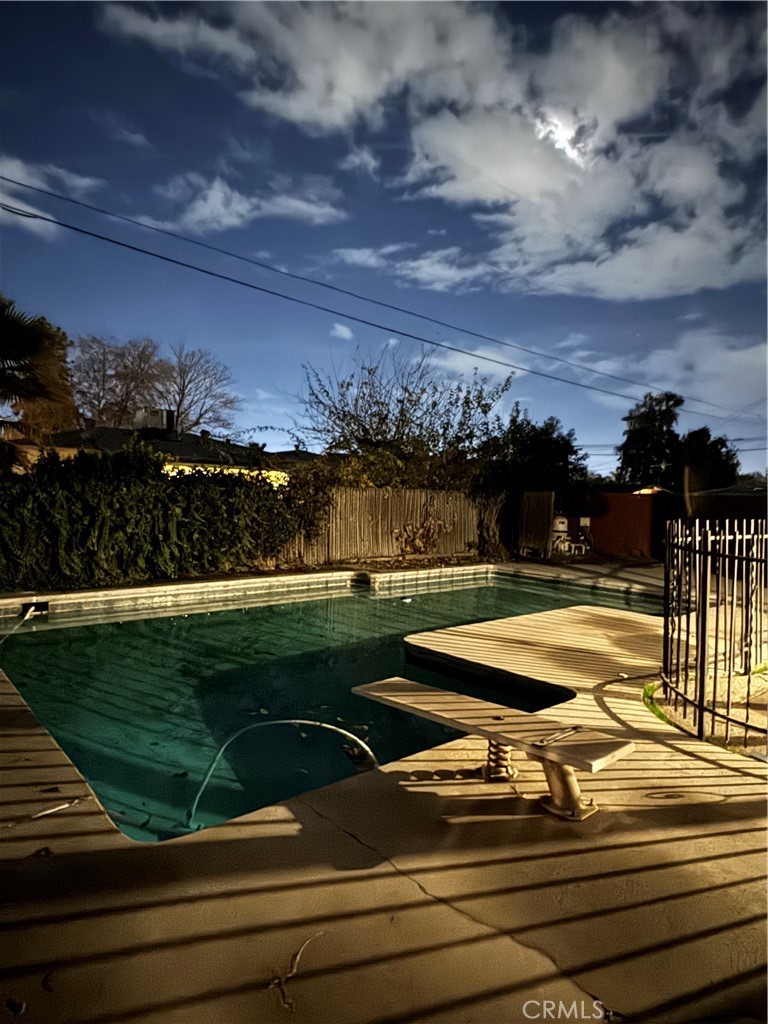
<point x="142" y="707"/>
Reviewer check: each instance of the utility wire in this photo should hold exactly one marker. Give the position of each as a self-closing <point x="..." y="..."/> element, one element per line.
<point x="593" y="446"/>
<point x="327" y="309"/>
<point x="355" y="295"/>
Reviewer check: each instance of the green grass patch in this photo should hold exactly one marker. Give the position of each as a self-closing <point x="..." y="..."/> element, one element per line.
<point x="648" y="699"/>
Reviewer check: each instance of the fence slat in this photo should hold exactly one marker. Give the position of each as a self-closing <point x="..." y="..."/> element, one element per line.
<point x="369" y="523"/>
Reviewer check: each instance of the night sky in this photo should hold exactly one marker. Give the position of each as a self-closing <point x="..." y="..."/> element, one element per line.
<point x="586" y="180"/>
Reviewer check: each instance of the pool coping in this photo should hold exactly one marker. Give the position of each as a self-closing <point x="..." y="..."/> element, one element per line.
<point x="167" y="597"/>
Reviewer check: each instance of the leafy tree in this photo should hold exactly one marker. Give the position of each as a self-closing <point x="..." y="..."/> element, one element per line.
<point x="399" y="423"/>
<point x="654" y="453"/>
<point x="711" y="461"/>
<point x="34" y="378"/>
<point x="650" y="451"/>
<point x="528" y="455"/>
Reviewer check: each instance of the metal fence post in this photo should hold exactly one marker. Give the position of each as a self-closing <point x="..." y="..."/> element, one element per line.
<point x="666" y="667"/>
<point x="702" y="630"/>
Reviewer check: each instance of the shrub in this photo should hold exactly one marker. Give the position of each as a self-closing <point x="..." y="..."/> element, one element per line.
<point x="100" y="520"/>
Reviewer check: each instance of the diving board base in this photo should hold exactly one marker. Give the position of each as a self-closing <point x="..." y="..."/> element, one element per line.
<point x="565" y="800"/>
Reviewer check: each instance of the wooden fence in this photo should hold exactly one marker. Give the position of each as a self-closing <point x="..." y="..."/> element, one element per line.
<point x="366" y="523"/>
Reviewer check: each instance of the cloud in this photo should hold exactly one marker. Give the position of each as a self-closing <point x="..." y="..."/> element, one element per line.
<point x="78" y="185"/>
<point x="117" y="128"/>
<point x="372" y="258"/>
<point x="132" y="138"/>
<point x="704" y="362"/>
<point x="466" y="363"/>
<point x="182" y="187"/>
<point x="573" y="340"/>
<point x="443" y="270"/>
<point x="611" y="159"/>
<point x="187" y="34"/>
<point x="47" y="176"/>
<point x="437" y="270"/>
<point x="326" y="66"/>
<point x="215" y="205"/>
<point x="662" y="260"/>
<point x="248" y="151"/>
<point x="310" y="211"/>
<point x="361" y="159"/>
<point x="341" y="331"/>
<point x="243" y="152"/>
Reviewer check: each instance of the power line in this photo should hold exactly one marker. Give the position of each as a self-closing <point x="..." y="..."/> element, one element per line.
<point x="592" y="445"/>
<point x="324" y="309"/>
<point x="355" y="295"/>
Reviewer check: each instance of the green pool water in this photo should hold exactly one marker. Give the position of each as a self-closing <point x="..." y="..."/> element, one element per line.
<point x="142" y="707"/>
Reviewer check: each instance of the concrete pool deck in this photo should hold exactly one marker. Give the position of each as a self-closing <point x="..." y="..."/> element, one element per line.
<point x="413" y="893"/>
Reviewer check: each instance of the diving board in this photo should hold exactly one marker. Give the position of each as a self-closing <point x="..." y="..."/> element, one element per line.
<point x="559" y="748"/>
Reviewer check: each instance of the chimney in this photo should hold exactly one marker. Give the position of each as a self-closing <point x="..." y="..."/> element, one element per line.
<point x="154" y="419"/>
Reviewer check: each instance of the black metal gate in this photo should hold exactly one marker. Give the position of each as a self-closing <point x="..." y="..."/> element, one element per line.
<point x="715" y="629"/>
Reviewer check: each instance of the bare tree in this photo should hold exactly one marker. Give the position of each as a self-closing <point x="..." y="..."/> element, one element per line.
<point x="196" y="386"/>
<point x="93" y="376"/>
<point x="112" y="382"/>
<point x="139" y="379"/>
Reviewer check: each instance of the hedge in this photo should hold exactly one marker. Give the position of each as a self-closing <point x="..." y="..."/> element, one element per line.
<point x="100" y="520"/>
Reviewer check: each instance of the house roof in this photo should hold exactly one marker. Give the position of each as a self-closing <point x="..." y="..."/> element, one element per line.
<point x="189" y="448"/>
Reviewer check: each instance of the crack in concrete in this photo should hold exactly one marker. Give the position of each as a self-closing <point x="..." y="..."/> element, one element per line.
<point x="557" y="972"/>
<point x="279" y="981"/>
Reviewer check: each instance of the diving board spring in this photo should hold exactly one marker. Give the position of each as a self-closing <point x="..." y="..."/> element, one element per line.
<point x="499" y="767"/>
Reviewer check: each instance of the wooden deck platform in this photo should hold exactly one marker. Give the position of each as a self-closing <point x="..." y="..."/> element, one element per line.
<point x="574" y="647"/>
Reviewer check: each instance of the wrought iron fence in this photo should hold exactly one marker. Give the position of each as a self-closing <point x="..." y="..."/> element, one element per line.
<point x="715" y="630"/>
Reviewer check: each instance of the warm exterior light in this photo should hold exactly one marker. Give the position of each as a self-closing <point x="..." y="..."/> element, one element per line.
<point x="275" y="476"/>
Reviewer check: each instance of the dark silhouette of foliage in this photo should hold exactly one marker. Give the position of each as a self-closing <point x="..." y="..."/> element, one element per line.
<point x="100" y="520"/>
<point x="528" y="455"/>
<point x="711" y="461"/>
<point x="653" y="453"/>
<point x="34" y="378"/>
<point x="650" y="451"/>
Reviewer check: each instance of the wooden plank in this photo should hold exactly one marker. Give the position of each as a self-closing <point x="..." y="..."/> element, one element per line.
<point x="587" y="749"/>
<point x="583" y="644"/>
